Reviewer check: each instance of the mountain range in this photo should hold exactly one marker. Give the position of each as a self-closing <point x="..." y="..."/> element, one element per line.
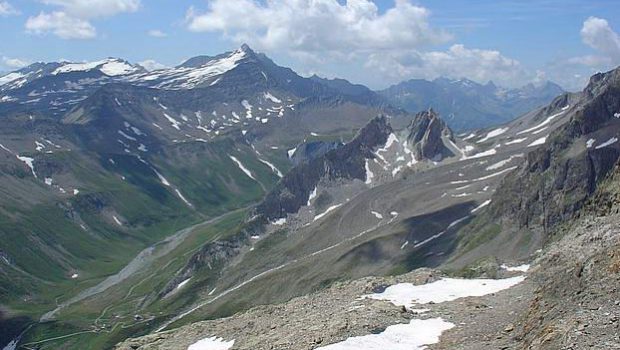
<point x="468" y="105"/>
<point x="137" y="202"/>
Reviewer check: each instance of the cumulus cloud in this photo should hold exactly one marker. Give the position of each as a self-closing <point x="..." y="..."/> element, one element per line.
<point x="456" y="62"/>
<point x="598" y="34"/>
<point x="156" y="33"/>
<point x="6" y="9"/>
<point x="61" y="25"/>
<point x="73" y="19"/>
<point x="13" y="63"/>
<point x="318" y="26"/>
<point x="151" y="65"/>
<point x="95" y="8"/>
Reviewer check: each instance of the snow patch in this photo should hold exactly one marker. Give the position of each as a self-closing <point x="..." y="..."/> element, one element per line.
<point x="369" y="174"/>
<point x="29" y="162"/>
<point x="590" y="143"/>
<point x="240" y="165"/>
<point x="520" y="268"/>
<point x="213" y="343"/>
<point x="291" y="152"/>
<point x="501" y="163"/>
<point x="280" y="222"/>
<point x="118" y="222"/>
<point x="183" y="198"/>
<point x="492" y="134"/>
<point x="609" y="142"/>
<point x="273" y="167"/>
<point x="445" y="289"/>
<point x="515" y="141"/>
<point x="376" y="214"/>
<point x="415" y="335"/>
<point x="175" y="123"/>
<point x="180" y="285"/>
<point x="484" y="204"/>
<point x="272" y="98"/>
<point x="540" y="141"/>
<point x="332" y="208"/>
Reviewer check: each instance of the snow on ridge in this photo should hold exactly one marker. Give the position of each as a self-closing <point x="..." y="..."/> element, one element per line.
<point x="213" y="343"/>
<point x="609" y="142"/>
<point x="493" y="133"/>
<point x="243" y="168"/>
<point x="415" y="335"/>
<point x="191" y="77"/>
<point x="5" y="79"/>
<point x="544" y="123"/>
<point x="590" y="143"/>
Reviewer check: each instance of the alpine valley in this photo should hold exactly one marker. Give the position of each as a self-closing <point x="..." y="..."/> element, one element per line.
<point x="230" y="203"/>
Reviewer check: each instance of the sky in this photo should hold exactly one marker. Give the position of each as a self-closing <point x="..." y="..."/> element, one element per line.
<point x="376" y="43"/>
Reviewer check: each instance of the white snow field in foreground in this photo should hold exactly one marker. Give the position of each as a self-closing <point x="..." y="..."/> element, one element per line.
<point x="412" y="336"/>
<point x="213" y="343"/>
<point x="446" y="289"/>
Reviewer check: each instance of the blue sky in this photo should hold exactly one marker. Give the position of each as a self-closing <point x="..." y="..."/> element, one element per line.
<point x="372" y="42"/>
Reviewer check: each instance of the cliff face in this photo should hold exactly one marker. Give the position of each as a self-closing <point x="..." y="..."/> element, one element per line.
<point x="426" y="133"/>
<point x="556" y="179"/>
<point x="346" y="162"/>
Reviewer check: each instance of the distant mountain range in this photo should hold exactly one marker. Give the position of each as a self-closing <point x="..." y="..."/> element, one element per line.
<point x="468" y="105"/>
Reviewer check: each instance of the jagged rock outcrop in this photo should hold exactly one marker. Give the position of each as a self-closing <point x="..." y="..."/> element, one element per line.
<point x="346" y="162"/>
<point x="426" y="135"/>
<point x="556" y="179"/>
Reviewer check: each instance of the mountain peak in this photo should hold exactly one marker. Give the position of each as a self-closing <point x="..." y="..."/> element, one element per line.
<point x="246" y="48"/>
<point x="426" y="134"/>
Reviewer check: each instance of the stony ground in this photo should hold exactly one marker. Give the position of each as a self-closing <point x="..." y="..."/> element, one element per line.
<point x="337" y="313"/>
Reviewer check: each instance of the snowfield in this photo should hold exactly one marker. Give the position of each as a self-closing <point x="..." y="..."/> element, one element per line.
<point x="445" y="289"/>
<point x="213" y="343"/>
<point x="412" y="336"/>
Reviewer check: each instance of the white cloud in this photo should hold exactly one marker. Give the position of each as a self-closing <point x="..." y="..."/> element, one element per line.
<point x="456" y="62"/>
<point x="318" y="26"/>
<point x="156" y="33"/>
<point x="85" y="9"/>
<point x="598" y="34"/>
<point x="151" y="65"/>
<point x="72" y="20"/>
<point x="13" y="63"/>
<point x="61" y="25"/>
<point x="6" y="9"/>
